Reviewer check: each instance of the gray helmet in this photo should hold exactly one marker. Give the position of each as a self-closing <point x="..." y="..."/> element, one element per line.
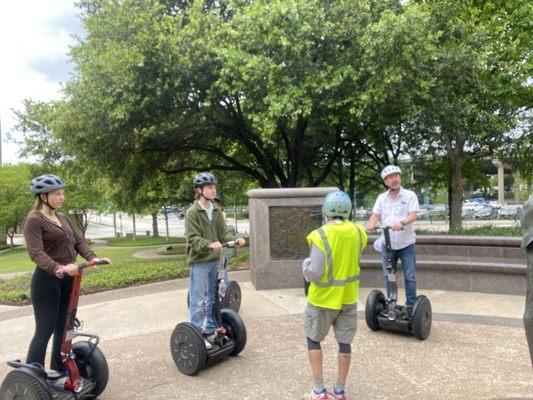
<point x="46" y="184"/>
<point x="203" y="179"/>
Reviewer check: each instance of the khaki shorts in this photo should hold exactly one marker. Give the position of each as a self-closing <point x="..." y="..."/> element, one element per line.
<point x="318" y="321"/>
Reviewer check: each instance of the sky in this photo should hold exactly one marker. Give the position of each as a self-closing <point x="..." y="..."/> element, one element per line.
<point x="35" y="36"/>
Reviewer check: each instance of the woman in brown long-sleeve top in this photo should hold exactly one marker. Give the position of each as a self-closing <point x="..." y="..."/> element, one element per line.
<point x="53" y="244"/>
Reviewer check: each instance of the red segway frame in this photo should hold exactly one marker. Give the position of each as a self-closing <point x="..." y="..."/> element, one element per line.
<point x="74" y="383"/>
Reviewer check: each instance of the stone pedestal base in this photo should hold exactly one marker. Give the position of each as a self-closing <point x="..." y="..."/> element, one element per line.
<point x="280" y="220"/>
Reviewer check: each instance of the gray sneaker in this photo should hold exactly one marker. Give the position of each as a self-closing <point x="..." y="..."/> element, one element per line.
<point x="208" y="345"/>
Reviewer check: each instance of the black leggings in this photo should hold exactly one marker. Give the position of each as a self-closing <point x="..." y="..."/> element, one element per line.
<point x="49" y="296"/>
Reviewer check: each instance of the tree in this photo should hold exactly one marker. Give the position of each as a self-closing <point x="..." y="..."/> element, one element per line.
<point x="15" y="198"/>
<point x="258" y="90"/>
<point x="463" y="103"/>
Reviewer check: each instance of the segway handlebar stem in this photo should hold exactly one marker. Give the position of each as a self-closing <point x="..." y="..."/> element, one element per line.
<point x="92" y="263"/>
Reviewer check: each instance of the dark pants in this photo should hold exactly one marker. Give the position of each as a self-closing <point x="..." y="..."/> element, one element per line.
<point x="49" y="296"/>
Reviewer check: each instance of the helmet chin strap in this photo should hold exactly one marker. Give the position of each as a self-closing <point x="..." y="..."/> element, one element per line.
<point x="47" y="203"/>
<point x="202" y="194"/>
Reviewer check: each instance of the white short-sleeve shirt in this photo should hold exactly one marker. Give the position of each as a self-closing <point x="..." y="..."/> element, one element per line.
<point x="393" y="211"/>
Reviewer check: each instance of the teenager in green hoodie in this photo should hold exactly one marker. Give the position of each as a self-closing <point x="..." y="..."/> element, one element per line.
<point x="206" y="230"/>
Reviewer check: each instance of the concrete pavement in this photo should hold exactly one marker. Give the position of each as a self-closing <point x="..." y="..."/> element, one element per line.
<point x="477" y="348"/>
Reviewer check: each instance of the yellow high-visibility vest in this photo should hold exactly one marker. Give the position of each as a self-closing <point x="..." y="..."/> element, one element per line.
<point x="342" y="244"/>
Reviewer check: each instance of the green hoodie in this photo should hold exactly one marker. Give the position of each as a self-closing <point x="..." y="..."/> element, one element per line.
<point x="201" y="232"/>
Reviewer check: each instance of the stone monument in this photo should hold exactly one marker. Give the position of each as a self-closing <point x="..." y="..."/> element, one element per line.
<point x="280" y="220"/>
<point x="527" y="244"/>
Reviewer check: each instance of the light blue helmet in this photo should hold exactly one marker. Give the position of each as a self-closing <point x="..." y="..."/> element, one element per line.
<point x="337" y="204"/>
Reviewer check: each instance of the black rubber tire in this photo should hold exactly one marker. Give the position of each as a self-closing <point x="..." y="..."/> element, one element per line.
<point x="232" y="298"/>
<point x="422" y="317"/>
<point x="94" y="368"/>
<point x="22" y="386"/>
<point x="187" y="347"/>
<point x="236" y="329"/>
<point x="375" y="304"/>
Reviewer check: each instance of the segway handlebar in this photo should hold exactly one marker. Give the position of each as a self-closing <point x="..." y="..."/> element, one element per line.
<point x="384" y="227"/>
<point x="92" y="263"/>
<point x="229" y="244"/>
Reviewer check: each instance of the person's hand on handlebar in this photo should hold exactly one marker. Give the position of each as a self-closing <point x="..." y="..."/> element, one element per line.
<point x="98" y="260"/>
<point x="398" y="226"/>
<point x="216" y="246"/>
<point x="371" y="227"/>
<point x="69" y="269"/>
<point x="240" y="242"/>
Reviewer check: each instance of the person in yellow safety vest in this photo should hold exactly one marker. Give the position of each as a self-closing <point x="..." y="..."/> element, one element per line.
<point x="332" y="269"/>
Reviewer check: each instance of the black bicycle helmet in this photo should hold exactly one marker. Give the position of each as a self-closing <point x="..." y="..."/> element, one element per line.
<point x="204" y="178"/>
<point x="46" y="184"/>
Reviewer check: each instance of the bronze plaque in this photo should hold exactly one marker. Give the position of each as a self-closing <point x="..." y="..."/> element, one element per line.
<point x="289" y="226"/>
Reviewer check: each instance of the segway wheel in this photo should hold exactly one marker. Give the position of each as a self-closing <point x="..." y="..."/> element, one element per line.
<point x="422" y="318"/>
<point x="92" y="365"/>
<point x="232" y="298"/>
<point x="21" y="385"/>
<point x="188" y="348"/>
<point x="236" y="329"/>
<point x="375" y="304"/>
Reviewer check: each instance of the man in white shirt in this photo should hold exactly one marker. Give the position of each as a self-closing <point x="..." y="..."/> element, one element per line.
<point x="397" y="208"/>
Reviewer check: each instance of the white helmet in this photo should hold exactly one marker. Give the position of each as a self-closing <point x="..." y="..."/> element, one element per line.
<point x="389" y="170"/>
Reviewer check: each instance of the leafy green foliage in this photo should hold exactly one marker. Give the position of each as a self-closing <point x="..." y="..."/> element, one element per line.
<point x="15" y="197"/>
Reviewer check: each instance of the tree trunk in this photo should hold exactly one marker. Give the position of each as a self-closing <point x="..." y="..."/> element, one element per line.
<point x="134" y="228"/>
<point x="85" y="222"/>
<point x="11" y="237"/>
<point x="340" y="174"/>
<point x="351" y="188"/>
<point x="114" y="224"/>
<point x="155" y="227"/>
<point x="166" y="225"/>
<point x="456" y="204"/>
<point x="235" y="212"/>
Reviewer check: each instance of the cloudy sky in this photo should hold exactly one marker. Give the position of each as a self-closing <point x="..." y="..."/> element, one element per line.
<point x="35" y="36"/>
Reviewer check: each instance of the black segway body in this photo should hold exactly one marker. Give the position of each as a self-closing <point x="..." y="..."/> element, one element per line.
<point x="381" y="313"/>
<point x="187" y="344"/>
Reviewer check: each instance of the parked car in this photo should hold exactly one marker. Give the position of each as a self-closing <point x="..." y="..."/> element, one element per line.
<point x="423" y="213"/>
<point x="479" y="200"/>
<point x="486" y="212"/>
<point x="438" y="211"/>
<point x="362" y="214"/>
<point x="471" y="206"/>
<point x="510" y="212"/>
<point x="494" y="204"/>
<point x="468" y="213"/>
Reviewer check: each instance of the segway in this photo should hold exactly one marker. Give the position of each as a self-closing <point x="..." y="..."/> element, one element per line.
<point x="387" y="314"/>
<point x="86" y="365"/>
<point x="187" y="344"/>
<point x="229" y="292"/>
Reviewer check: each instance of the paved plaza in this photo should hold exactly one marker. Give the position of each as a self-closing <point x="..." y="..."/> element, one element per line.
<point x="477" y="348"/>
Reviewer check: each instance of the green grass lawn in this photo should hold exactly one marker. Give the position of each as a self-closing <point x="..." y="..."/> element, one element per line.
<point x="16" y="291"/>
<point x="142" y="241"/>
<point x="172" y="249"/>
<point x="6" y="246"/>
<point x="17" y="260"/>
<point x="124" y="271"/>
